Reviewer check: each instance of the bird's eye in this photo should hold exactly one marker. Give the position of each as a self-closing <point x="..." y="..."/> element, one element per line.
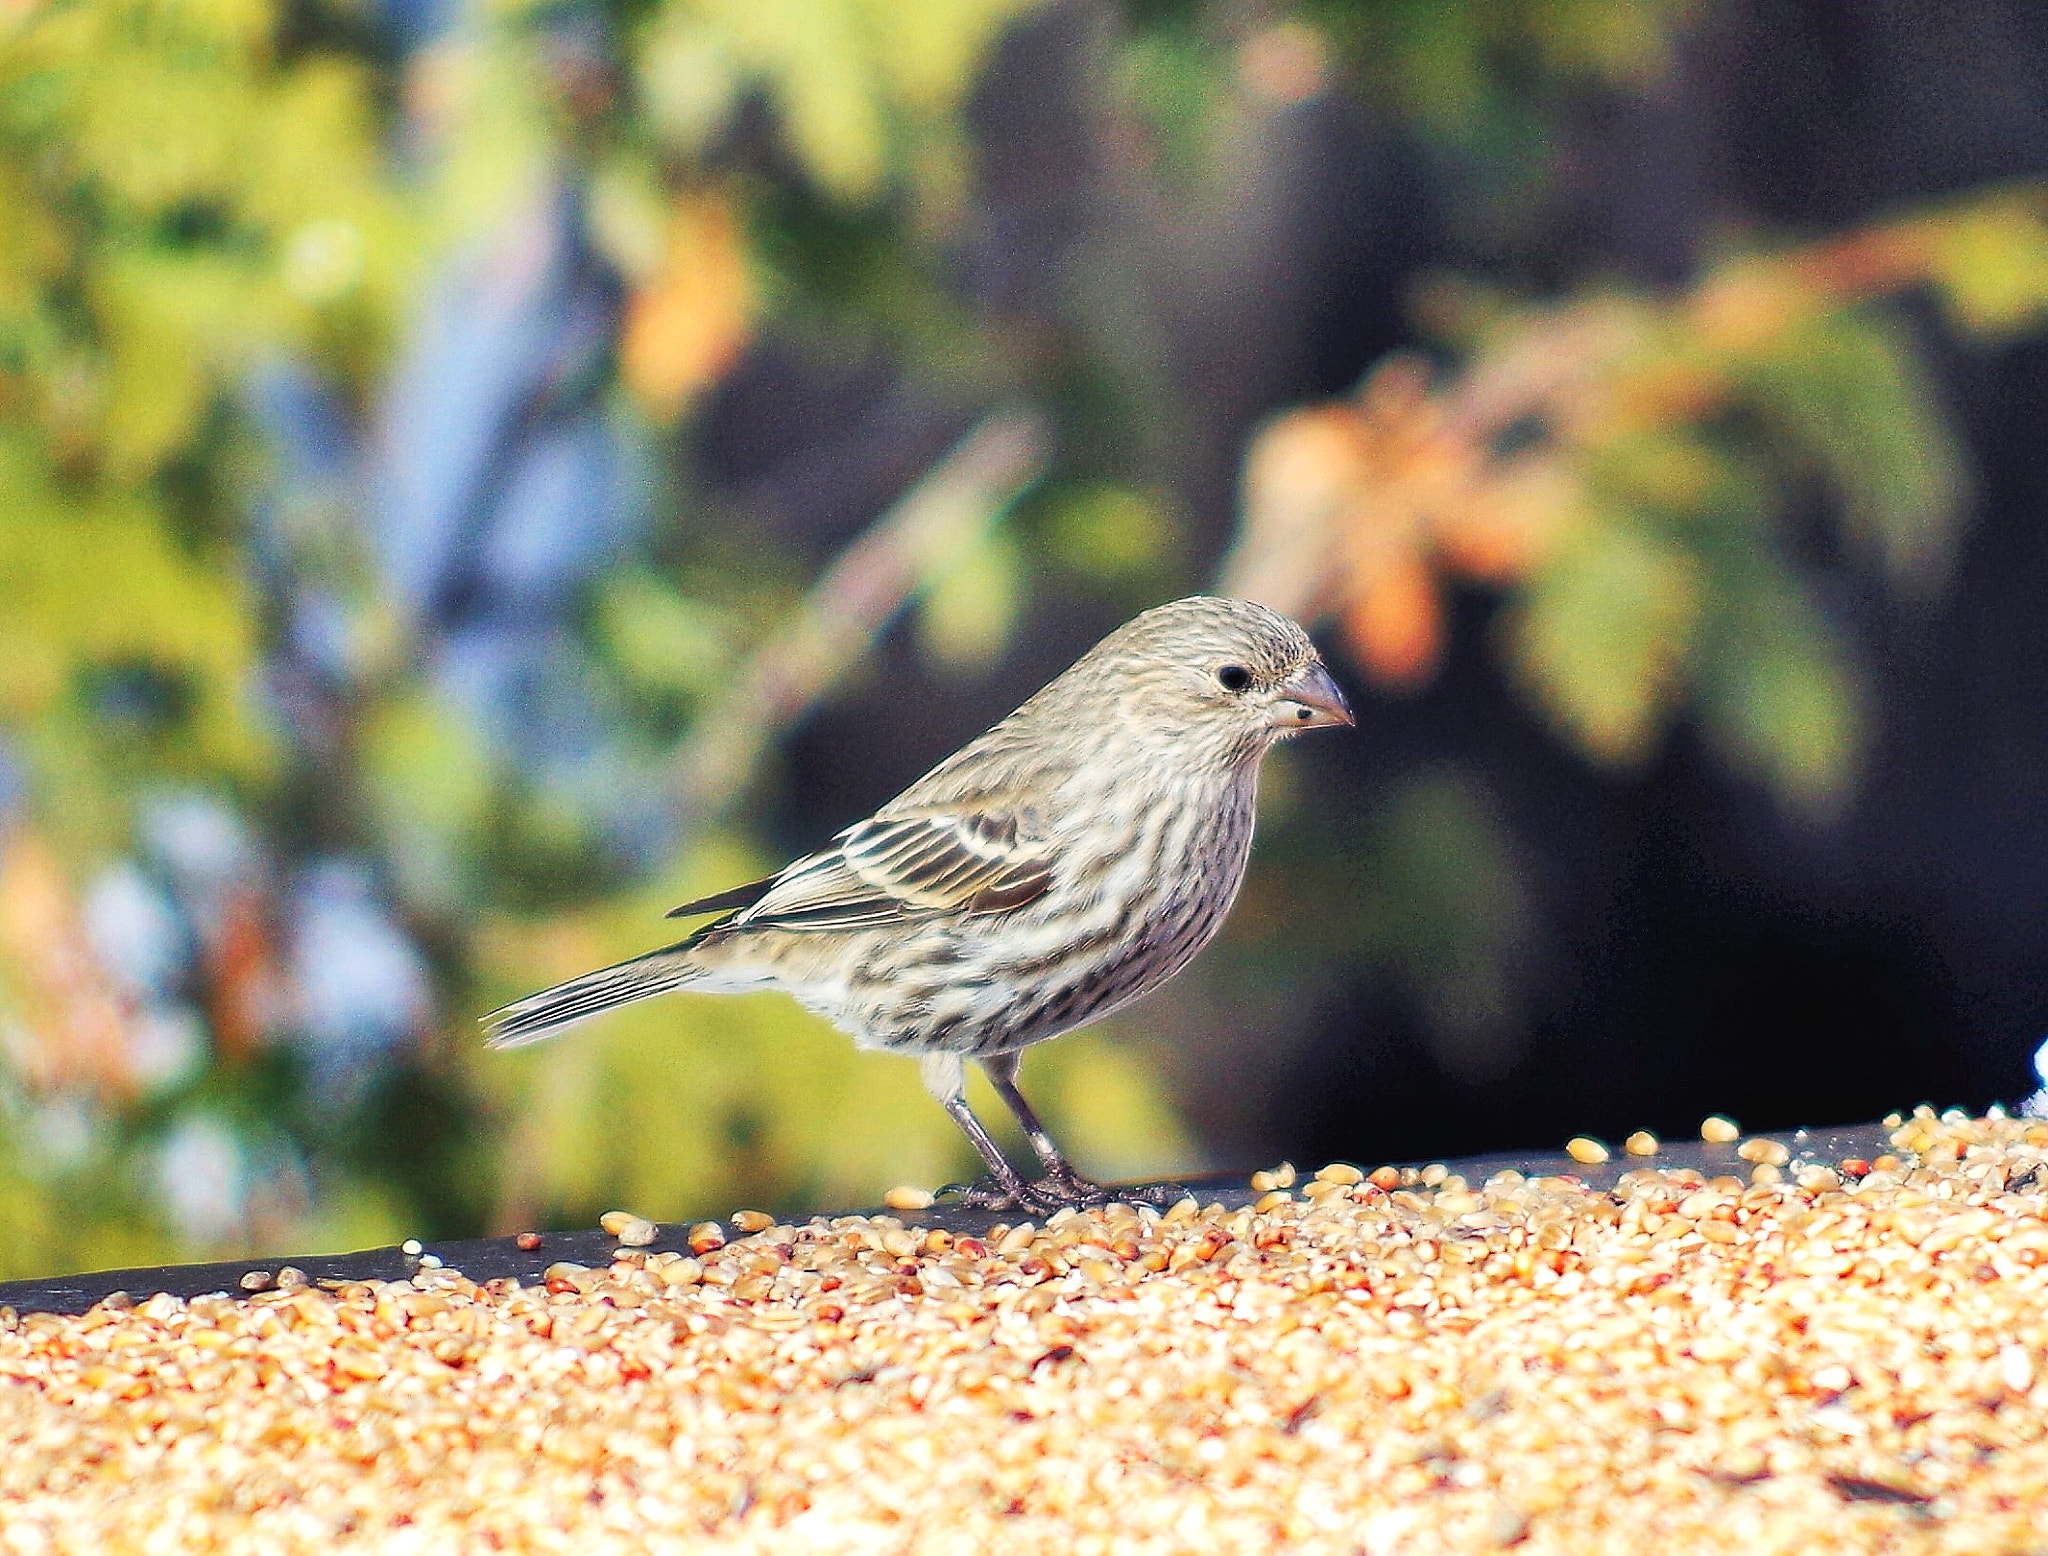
<point x="1233" y="678"/>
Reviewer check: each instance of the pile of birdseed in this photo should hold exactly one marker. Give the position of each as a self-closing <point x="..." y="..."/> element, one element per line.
<point x="1816" y="1357"/>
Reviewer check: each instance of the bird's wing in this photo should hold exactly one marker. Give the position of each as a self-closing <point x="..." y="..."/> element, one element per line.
<point x="894" y="869"/>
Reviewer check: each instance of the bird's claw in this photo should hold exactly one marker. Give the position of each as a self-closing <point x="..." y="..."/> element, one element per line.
<point x="985" y="1193"/>
<point x="1160" y="1196"/>
<point x="1049" y="1194"/>
<point x="1044" y="1196"/>
<point x="1041" y="1197"/>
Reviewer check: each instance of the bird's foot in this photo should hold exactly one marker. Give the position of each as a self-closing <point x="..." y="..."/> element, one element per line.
<point x="987" y="1192"/>
<point x="1160" y="1196"/>
<point x="1044" y="1196"/>
<point x="1064" y="1191"/>
<point x="1039" y="1197"/>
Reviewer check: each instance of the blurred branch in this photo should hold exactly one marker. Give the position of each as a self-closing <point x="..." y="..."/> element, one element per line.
<point x="1613" y="463"/>
<point x="1426" y="452"/>
<point x="900" y="556"/>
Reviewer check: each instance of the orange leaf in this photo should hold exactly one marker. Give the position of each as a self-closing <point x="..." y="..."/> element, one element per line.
<point x="1397" y="390"/>
<point x="686" y="326"/>
<point x="1746" y="304"/>
<point x="1509" y="522"/>
<point x="1301" y="475"/>
<point x="245" y="994"/>
<point x="1396" y="624"/>
<point x="76" y="1019"/>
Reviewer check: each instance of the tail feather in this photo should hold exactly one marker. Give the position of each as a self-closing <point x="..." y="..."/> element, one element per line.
<point x="544" y="1014"/>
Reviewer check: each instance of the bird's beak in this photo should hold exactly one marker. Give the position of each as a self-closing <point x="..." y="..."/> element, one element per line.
<point x="1310" y="700"/>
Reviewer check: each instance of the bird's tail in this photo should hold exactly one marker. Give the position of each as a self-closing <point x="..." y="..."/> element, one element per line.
<point x="548" y="1012"/>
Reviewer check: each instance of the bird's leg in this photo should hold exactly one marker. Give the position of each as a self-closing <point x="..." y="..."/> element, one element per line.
<point x="1061" y="1184"/>
<point x="1002" y="1074"/>
<point x="945" y="1078"/>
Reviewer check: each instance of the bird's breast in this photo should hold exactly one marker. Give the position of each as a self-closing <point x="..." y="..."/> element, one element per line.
<point x="1131" y="909"/>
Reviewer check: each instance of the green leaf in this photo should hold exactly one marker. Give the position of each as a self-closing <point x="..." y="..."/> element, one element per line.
<point x="661" y="638"/>
<point x="861" y="86"/>
<point x="1109" y="532"/>
<point x="172" y="322"/>
<point x="430" y="783"/>
<point x="1672" y="475"/>
<point x="1628" y="44"/>
<point x="95" y="583"/>
<point x="1779" y="693"/>
<point x="1848" y="390"/>
<point x="1602" y="631"/>
<point x="156" y="128"/>
<point x="1990" y="264"/>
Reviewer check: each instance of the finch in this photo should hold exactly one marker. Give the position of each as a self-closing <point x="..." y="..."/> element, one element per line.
<point x="1053" y="870"/>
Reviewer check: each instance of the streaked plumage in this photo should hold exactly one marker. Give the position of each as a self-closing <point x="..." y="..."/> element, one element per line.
<point x="1066" y="862"/>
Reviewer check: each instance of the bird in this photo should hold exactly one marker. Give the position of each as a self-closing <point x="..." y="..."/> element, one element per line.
<point x="1054" y="869"/>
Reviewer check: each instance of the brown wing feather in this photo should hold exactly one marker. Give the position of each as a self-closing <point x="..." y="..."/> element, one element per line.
<point x="725" y="901"/>
<point x="896" y="869"/>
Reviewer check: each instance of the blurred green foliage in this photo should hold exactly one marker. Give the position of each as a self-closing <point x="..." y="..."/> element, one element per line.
<point x="198" y="189"/>
<point x="868" y="93"/>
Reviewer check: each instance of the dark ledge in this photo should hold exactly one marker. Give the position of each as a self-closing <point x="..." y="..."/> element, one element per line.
<point x="489" y="1258"/>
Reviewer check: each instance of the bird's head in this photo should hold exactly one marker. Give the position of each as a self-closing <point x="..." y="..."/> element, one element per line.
<point x="1213" y="670"/>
